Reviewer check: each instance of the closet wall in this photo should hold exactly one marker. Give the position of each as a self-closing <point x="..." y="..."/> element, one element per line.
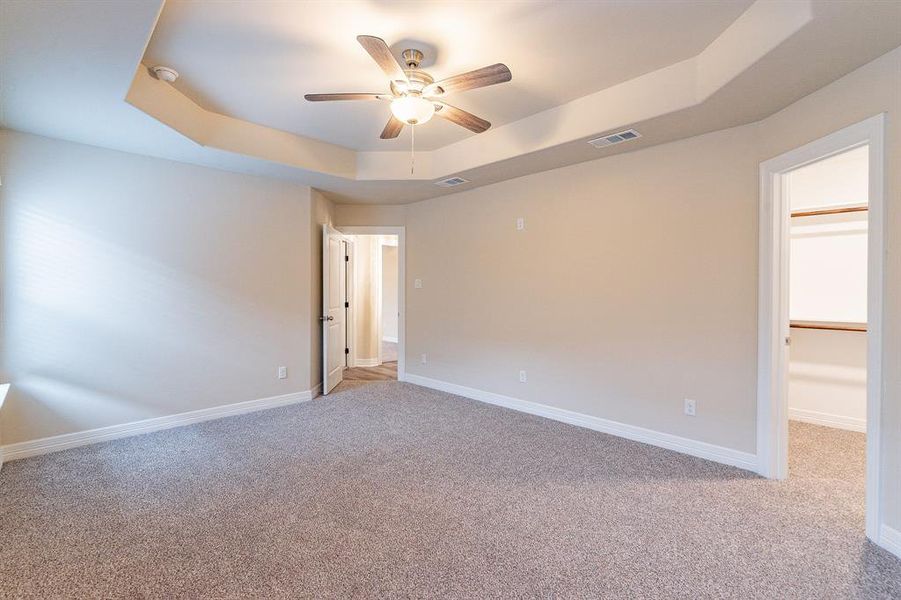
<point x="389" y="290"/>
<point x="828" y="304"/>
<point x="365" y="300"/>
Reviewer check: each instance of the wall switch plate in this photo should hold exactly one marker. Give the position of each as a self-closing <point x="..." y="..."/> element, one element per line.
<point x="417" y="283"/>
<point x="424" y="359"/>
<point x="282" y="372"/>
<point x="522" y="376"/>
<point x="690" y="407"/>
<point x="520" y="223"/>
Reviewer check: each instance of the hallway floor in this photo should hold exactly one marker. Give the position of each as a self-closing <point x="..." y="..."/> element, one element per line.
<point x="384" y="372"/>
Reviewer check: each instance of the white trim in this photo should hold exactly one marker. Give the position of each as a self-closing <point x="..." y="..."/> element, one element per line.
<point x="827" y="419"/>
<point x="773" y="324"/>
<point x="890" y="539"/>
<point x="389" y="339"/>
<point x="720" y="454"/>
<point x="113" y="432"/>
<point x="368" y="362"/>
<point x="401" y="233"/>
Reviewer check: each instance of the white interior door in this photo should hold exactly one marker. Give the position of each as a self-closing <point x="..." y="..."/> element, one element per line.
<point x="334" y="320"/>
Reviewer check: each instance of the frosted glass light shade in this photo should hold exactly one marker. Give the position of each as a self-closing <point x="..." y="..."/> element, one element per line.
<point x="413" y="110"/>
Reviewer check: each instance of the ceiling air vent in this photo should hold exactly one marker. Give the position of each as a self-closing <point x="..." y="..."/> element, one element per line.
<point x="451" y="182"/>
<point x="616" y="138"/>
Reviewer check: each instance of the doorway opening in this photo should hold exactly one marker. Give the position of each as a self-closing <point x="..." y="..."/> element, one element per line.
<point x="820" y="314"/>
<point x="363" y="306"/>
<point x="372" y="334"/>
<point x="827" y="357"/>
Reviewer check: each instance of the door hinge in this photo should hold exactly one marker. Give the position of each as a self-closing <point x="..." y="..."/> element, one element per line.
<point x="347" y="305"/>
<point x="347" y="351"/>
<point x="346" y="258"/>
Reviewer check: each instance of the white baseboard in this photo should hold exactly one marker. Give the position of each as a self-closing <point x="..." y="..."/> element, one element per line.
<point x="102" y="434"/>
<point x="720" y="454"/>
<point x="388" y="338"/>
<point x="890" y="539"/>
<point x="367" y="362"/>
<point x="827" y="419"/>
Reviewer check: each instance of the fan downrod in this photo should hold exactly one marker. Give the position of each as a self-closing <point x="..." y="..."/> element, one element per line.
<point x="412" y="58"/>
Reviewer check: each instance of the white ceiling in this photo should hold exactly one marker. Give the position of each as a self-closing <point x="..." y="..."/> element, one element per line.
<point x="255" y="60"/>
<point x="66" y="67"/>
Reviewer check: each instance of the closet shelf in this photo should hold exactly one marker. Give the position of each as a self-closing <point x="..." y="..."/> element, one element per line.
<point x="829" y="325"/>
<point x="830" y="211"/>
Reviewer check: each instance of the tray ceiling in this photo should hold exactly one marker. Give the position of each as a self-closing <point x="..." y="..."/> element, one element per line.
<point x="255" y="60"/>
<point x="75" y="71"/>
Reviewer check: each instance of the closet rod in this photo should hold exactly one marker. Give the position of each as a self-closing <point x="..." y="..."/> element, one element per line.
<point x="861" y="327"/>
<point x="829" y="211"/>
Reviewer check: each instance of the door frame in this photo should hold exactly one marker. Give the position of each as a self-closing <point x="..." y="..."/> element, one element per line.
<point x="773" y="315"/>
<point x="400" y="232"/>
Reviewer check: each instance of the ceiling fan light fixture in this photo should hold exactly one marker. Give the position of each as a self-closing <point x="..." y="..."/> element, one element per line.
<point x="412" y="109"/>
<point x="412" y="89"/>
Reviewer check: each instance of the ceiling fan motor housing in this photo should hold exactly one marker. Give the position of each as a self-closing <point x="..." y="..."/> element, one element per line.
<point x="412" y="58"/>
<point x="418" y="80"/>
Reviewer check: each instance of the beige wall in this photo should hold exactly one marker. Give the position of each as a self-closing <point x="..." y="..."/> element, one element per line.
<point x="631" y="288"/>
<point x="365" y="297"/>
<point x="362" y="214"/>
<point x="389" y="291"/>
<point x="640" y="272"/>
<point x="136" y="287"/>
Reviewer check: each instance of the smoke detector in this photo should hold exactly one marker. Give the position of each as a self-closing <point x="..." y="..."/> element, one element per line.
<point x="167" y="74"/>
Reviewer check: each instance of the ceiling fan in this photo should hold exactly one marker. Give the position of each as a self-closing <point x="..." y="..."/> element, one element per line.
<point x="415" y="95"/>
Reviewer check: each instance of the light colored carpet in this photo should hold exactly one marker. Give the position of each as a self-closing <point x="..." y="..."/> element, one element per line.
<point x="391" y="490"/>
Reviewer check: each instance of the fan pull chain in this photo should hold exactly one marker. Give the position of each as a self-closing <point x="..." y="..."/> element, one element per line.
<point x="412" y="147"/>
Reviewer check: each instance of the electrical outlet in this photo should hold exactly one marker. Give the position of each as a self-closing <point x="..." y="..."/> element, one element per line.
<point x="522" y="377"/>
<point x="690" y="407"/>
<point x="425" y="359"/>
<point x="282" y="372"/>
<point x="417" y="283"/>
<point x="520" y="223"/>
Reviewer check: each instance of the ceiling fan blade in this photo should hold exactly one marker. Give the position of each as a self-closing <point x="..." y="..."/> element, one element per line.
<point x="461" y="117"/>
<point x="329" y="97"/>
<point x="485" y="76"/>
<point x="392" y="128"/>
<point x="381" y="54"/>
